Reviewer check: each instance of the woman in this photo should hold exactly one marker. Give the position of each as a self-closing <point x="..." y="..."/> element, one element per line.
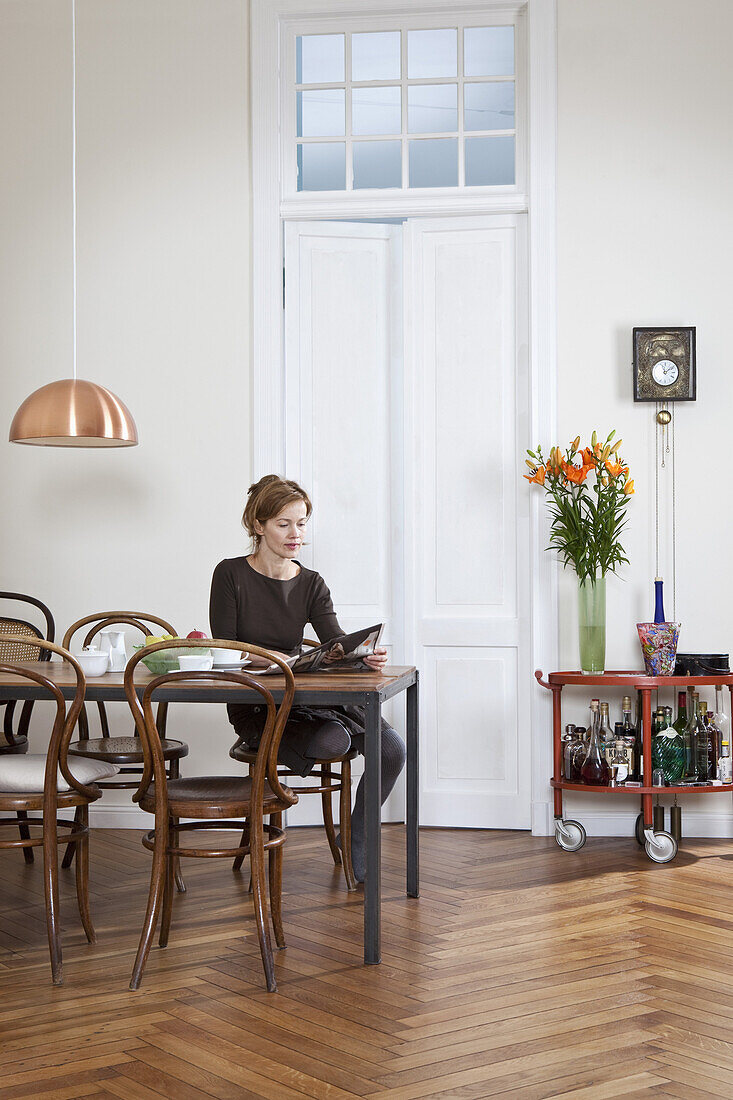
<point x="267" y="598"/>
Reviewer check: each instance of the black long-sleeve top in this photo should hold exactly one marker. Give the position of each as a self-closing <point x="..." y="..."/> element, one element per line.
<point x="246" y="606"/>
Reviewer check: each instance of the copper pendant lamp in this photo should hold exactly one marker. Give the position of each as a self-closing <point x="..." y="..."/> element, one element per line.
<point x="73" y="412"/>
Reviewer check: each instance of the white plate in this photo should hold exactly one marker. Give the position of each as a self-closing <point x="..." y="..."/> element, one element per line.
<point x="233" y="666"/>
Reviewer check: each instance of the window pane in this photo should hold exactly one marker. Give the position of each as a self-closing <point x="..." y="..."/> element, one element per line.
<point x="319" y="58"/>
<point x="322" y="113"/>
<point x="434" y="162"/>
<point x="489" y="160"/>
<point x="377" y="164"/>
<point x="488" y="51"/>
<point x="432" y="108"/>
<point x="432" y="53"/>
<point x="375" y="56"/>
<point x="322" y="166"/>
<point x="376" y="111"/>
<point x="489" y="106"/>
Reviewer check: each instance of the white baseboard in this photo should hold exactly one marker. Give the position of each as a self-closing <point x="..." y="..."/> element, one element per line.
<point x="621" y="823"/>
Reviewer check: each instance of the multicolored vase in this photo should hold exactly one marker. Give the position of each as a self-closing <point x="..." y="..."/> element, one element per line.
<point x="659" y="646"/>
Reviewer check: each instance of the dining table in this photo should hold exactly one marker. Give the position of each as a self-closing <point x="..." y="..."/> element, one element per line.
<point x="319" y="689"/>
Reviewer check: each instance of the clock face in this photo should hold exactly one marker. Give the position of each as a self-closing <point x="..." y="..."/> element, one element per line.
<point x="665" y="372"/>
<point x="664" y="364"/>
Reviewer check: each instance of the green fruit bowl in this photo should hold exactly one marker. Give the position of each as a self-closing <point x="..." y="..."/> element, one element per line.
<point x="164" y="660"/>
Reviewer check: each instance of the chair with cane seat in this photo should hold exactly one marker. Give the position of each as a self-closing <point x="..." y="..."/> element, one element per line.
<point x="125" y="752"/>
<point x="211" y="801"/>
<point x="15" y="733"/>
<point x="49" y="784"/>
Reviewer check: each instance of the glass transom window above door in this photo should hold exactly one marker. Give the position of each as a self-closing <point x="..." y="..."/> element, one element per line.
<point x="408" y="108"/>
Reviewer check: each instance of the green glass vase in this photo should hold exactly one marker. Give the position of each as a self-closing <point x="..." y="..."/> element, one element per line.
<point x="592" y="625"/>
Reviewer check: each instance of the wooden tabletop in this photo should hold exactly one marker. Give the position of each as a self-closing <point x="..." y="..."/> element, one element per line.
<point x="310" y="688"/>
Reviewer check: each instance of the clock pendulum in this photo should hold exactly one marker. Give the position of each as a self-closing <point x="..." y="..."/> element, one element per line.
<point x="664" y="445"/>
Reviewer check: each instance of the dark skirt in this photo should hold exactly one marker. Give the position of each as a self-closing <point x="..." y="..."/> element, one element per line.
<point x="249" y="721"/>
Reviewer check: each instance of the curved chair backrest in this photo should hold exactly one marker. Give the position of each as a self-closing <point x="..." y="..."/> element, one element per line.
<point x="140" y="620"/>
<point x="16" y="740"/>
<point x="277" y="715"/>
<point x="11" y="624"/>
<point x="65" y="720"/>
<point x="99" y="621"/>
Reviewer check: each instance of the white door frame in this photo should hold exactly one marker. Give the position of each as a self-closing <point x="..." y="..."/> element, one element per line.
<point x="267" y="20"/>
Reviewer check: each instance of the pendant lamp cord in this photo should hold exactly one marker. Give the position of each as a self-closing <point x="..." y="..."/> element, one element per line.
<point x="73" y="173"/>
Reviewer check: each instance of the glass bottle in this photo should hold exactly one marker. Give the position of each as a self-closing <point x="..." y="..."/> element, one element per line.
<point x="690" y="737"/>
<point x="701" y="744"/>
<point x="721" y="718"/>
<point x="725" y="773"/>
<point x="605" y="733"/>
<point x="681" y="723"/>
<point x="659" y="601"/>
<point x="715" y="739"/>
<point x="668" y="749"/>
<point x="631" y="730"/>
<point x="595" y="769"/>
<point x="579" y="750"/>
<point x="569" y="741"/>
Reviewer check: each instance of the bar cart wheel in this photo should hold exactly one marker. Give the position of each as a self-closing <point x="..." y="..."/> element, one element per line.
<point x="661" y="847"/>
<point x="570" y="835"/>
<point x="639" y="831"/>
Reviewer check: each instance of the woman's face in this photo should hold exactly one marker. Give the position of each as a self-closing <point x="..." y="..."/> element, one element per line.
<point x="283" y="535"/>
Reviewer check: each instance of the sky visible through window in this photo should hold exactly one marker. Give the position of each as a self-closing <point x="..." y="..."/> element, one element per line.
<point x="406" y="109"/>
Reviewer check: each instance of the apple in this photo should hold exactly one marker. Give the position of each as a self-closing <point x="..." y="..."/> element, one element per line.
<point x="197" y="634"/>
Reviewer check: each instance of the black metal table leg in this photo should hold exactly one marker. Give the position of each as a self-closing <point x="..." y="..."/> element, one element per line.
<point x="413" y="790"/>
<point x="373" y="819"/>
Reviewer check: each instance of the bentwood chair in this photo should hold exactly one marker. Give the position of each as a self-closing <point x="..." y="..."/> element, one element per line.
<point x="50" y="784"/>
<point x="15" y="731"/>
<point x="125" y="752"/>
<point x="211" y="802"/>
<point x="330" y="780"/>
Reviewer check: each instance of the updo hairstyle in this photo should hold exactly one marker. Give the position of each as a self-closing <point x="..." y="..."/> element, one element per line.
<point x="267" y="498"/>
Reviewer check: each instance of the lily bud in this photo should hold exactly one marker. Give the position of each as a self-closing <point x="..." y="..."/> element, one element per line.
<point x="594" y="439"/>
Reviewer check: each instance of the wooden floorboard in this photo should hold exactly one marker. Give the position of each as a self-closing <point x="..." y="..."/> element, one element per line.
<point x="521" y="972"/>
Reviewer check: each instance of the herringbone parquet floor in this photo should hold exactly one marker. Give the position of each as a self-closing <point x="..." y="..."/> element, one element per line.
<point x="521" y="972"/>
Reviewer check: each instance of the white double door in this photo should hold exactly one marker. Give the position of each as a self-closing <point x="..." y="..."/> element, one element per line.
<point x="406" y="389"/>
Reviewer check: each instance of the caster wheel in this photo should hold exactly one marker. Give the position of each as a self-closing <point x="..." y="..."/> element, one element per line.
<point x="639" y="831"/>
<point x="662" y="849"/>
<point x="570" y="835"/>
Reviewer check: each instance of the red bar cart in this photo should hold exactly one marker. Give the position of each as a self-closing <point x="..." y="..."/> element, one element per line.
<point x="661" y="847"/>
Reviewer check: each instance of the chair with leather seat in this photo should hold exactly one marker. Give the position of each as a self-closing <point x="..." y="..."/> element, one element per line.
<point x="330" y="780"/>
<point x="14" y="738"/>
<point x="49" y="784"/>
<point x="210" y="803"/>
<point x="125" y="752"/>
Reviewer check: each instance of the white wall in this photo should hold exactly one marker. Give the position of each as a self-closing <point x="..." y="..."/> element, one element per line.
<point x="163" y="232"/>
<point x="645" y="231"/>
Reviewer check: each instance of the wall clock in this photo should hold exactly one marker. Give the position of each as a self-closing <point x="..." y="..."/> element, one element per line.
<point x="664" y="364"/>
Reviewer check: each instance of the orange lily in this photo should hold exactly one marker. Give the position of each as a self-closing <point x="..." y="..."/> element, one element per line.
<point x="588" y="457"/>
<point x="538" y="477"/>
<point x="628" y="488"/>
<point x="614" y="468"/>
<point x="576" y="474"/>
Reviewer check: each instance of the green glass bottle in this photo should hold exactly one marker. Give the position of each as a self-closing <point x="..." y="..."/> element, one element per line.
<point x="668" y="749"/>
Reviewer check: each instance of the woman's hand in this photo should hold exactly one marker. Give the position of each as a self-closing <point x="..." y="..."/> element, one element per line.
<point x="377" y="660"/>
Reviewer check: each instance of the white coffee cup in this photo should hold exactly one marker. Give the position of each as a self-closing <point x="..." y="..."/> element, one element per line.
<point x="227" y="656"/>
<point x="196" y="662"/>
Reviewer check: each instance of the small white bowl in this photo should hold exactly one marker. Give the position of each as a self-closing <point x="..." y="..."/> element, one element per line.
<point x="92" y="664"/>
<point x="227" y="656"/>
<point x="196" y="662"/>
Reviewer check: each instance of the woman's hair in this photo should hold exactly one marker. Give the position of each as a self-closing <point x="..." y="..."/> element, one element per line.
<point x="267" y="498"/>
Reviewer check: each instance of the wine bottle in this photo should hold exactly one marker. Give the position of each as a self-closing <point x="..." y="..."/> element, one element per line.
<point x="658" y="601"/>
<point x="690" y="738"/>
<point x="715" y="740"/>
<point x="701" y="745"/>
<point x="631" y="730"/>
<point x="721" y="718"/>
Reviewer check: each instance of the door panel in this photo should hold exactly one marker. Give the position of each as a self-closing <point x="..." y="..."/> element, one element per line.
<point x="466" y="611"/>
